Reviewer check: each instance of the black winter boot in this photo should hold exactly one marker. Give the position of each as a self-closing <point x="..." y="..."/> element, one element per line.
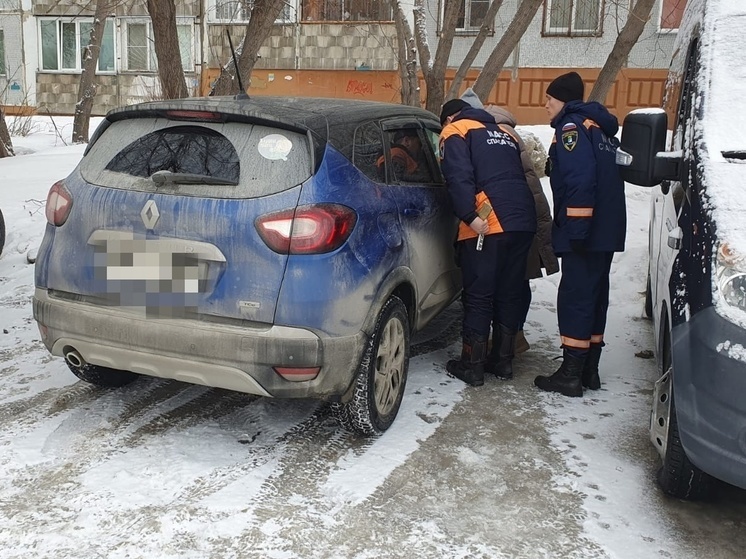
<point x="590" y="369"/>
<point x="470" y="368"/>
<point x="500" y="361"/>
<point x="567" y="379"/>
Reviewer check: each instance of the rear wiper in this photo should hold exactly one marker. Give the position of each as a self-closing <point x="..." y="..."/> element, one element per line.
<point x="734" y="154"/>
<point x="167" y="177"/>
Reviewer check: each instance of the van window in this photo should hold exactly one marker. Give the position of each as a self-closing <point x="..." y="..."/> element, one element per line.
<point x="250" y="160"/>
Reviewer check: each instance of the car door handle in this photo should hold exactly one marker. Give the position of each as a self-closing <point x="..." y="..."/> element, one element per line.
<point x="412" y="212"/>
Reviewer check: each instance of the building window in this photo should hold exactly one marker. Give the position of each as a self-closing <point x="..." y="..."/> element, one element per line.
<point x="472" y="13"/>
<point x="2" y="52"/>
<point x="573" y="18"/>
<point x="671" y="12"/>
<point x="140" y="49"/>
<point x="346" y="10"/>
<point x="63" y="45"/>
<point x="239" y="11"/>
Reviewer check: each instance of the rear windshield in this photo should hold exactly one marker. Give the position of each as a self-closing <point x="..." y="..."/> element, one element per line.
<point x="213" y="160"/>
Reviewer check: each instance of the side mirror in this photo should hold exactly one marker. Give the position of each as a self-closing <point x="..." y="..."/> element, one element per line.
<point x="642" y="158"/>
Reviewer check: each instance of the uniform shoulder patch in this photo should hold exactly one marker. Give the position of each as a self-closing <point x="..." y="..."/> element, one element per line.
<point x="569" y="126"/>
<point x="570" y="139"/>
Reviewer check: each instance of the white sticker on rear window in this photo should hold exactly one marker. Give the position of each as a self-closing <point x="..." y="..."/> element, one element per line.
<point x="275" y="146"/>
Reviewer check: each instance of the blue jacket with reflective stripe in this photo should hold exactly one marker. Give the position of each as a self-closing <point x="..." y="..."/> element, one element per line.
<point x="589" y="203"/>
<point x="477" y="155"/>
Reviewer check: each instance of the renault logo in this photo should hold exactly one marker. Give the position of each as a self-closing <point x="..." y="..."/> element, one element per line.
<point x="150" y="214"/>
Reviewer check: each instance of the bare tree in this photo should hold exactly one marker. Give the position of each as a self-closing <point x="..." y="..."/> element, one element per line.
<point x="487" y="27"/>
<point x="263" y="15"/>
<point x="87" y="86"/>
<point x="629" y="35"/>
<point x="434" y="70"/>
<point x="494" y="64"/>
<point x="407" y="56"/>
<point x="167" y="52"/>
<point x="6" y="145"/>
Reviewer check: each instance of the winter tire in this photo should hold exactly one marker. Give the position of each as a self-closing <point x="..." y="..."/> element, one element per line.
<point x="381" y="376"/>
<point x="677" y="477"/>
<point x="102" y="376"/>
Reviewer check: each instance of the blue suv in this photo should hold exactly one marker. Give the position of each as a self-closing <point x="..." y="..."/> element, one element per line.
<point x="285" y="247"/>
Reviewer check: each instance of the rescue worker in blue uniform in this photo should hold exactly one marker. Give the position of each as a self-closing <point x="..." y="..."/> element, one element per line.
<point x="590" y="223"/>
<point x="482" y="166"/>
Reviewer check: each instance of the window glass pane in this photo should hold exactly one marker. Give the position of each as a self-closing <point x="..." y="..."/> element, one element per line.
<point x="407" y="157"/>
<point x="477" y="13"/>
<point x="671" y="13"/>
<point x="346" y="10"/>
<point x="106" y="56"/>
<point x="137" y="47"/>
<point x="2" y="52"/>
<point x="559" y="14"/>
<point x="179" y="149"/>
<point x="460" y="22"/>
<point x="586" y="15"/>
<point x="69" y="45"/>
<point x="48" y="45"/>
<point x="368" y="150"/>
<point x="85" y="39"/>
<point x="185" y="46"/>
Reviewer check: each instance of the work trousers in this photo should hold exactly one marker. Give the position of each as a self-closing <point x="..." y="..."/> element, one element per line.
<point x="583" y="299"/>
<point x="494" y="281"/>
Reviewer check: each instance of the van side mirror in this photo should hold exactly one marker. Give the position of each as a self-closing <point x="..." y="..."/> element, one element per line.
<point x="642" y="158"/>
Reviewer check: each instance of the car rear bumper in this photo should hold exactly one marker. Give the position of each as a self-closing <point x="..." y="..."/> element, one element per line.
<point x="709" y="364"/>
<point x="210" y="353"/>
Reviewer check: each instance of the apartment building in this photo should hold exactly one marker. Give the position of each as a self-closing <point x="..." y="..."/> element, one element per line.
<point x="328" y="48"/>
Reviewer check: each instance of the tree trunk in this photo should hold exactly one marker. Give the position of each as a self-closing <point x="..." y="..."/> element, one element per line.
<point x="626" y="39"/>
<point x="167" y="52"/>
<point x="263" y="16"/>
<point x="87" y="86"/>
<point x="435" y="73"/>
<point x="407" y="57"/>
<point x="494" y="65"/>
<point x="6" y="145"/>
<point x="488" y="25"/>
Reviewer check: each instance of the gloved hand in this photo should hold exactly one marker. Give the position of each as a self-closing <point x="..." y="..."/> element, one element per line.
<point x="577" y="246"/>
<point x="548" y="167"/>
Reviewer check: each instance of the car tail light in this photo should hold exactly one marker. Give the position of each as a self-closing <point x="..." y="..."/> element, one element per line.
<point x="59" y="204"/>
<point x="297" y="374"/>
<point x="308" y="229"/>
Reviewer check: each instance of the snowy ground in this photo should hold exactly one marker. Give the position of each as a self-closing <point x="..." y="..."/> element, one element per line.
<point x="161" y="469"/>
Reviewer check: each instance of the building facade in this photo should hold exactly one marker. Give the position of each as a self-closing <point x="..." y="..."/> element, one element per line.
<point x="326" y="48"/>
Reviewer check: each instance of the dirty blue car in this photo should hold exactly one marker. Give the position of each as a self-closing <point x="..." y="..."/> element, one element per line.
<point x="272" y="246"/>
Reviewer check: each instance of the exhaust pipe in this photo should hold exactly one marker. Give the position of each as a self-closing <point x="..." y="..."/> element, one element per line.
<point x="75" y="359"/>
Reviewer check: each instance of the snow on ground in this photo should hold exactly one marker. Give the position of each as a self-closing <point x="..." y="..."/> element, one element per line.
<point x="163" y="469"/>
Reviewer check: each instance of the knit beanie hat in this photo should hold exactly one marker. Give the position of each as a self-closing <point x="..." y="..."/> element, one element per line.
<point x="567" y="87"/>
<point x="451" y="108"/>
<point x="472" y="98"/>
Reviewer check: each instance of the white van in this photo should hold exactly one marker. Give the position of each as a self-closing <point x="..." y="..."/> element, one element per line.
<point x="696" y="290"/>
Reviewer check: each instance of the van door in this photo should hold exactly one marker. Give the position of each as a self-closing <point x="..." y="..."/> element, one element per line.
<point x="671" y="199"/>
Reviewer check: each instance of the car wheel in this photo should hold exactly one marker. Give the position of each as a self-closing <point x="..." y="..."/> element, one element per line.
<point x="677" y="477"/>
<point x="102" y="376"/>
<point x="381" y="376"/>
<point x="2" y="232"/>
<point x="648" y="299"/>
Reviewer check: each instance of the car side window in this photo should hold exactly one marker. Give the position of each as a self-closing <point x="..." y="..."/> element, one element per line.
<point x="368" y="149"/>
<point x="407" y="156"/>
